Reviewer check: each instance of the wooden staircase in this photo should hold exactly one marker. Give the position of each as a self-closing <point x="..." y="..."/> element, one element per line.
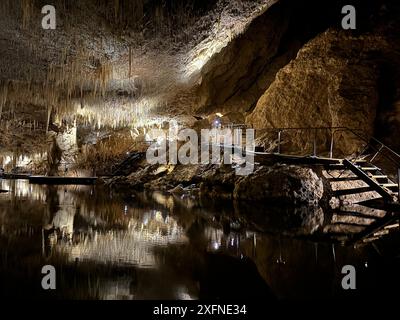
<point x="374" y="177"/>
<point x="354" y="222"/>
<point x="362" y="178"/>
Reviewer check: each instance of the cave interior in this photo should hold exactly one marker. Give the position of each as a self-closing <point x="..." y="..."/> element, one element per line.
<point x="106" y="173"/>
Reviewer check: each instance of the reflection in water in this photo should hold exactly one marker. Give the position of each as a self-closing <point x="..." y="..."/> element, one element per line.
<point x="156" y="246"/>
<point x="133" y="245"/>
<point x="22" y="189"/>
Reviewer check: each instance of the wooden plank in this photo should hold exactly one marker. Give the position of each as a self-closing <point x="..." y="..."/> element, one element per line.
<point x="14" y="176"/>
<point x="296" y="159"/>
<point x="370" y="169"/>
<point x="380" y="177"/>
<point x="62" y="180"/>
<point x="390" y="185"/>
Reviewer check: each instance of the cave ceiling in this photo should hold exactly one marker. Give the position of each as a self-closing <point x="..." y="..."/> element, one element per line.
<point x="112" y="64"/>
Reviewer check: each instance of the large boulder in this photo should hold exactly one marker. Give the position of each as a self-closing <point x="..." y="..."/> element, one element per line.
<point x="335" y="82"/>
<point x="278" y="183"/>
<point x="281" y="183"/>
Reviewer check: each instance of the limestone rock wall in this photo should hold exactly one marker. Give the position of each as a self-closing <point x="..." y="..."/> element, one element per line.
<point x="338" y="79"/>
<point x="325" y="86"/>
<point x="235" y="77"/>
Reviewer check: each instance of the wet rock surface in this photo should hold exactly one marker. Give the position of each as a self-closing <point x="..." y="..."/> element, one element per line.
<point x="281" y="183"/>
<point x="278" y="183"/>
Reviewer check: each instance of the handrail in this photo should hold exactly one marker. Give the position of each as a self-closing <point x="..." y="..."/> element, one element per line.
<point x="393" y="158"/>
<point x="383" y="146"/>
<point x="334" y="130"/>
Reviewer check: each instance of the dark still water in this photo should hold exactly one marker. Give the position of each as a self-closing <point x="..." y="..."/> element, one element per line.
<point x="156" y="246"/>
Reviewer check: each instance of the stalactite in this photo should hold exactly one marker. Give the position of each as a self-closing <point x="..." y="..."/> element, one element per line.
<point x="77" y="75"/>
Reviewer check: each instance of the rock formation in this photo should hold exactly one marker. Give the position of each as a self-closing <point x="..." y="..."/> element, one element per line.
<point x="269" y="63"/>
<point x="335" y="81"/>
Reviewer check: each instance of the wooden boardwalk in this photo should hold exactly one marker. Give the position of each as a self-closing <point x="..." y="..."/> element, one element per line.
<point x="62" y="180"/>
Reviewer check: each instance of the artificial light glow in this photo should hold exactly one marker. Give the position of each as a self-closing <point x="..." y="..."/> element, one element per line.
<point x="215" y="245"/>
<point x="7" y="160"/>
<point x="223" y="31"/>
